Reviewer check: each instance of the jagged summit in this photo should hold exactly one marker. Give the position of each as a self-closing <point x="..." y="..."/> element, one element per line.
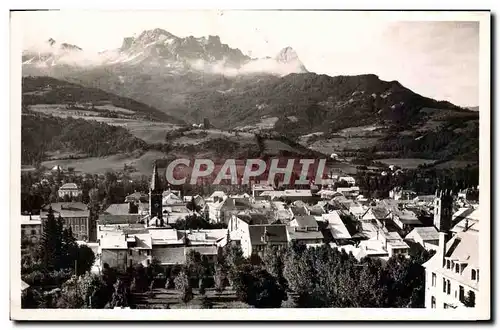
<point x="286" y="55"/>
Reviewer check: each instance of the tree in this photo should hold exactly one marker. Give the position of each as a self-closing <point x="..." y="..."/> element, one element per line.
<point x="85" y="259"/>
<point x="182" y="284"/>
<point x="470" y="300"/>
<point x="120" y="297"/>
<point x="220" y="279"/>
<point x="51" y="241"/>
<point x="273" y="263"/>
<point x="256" y="287"/>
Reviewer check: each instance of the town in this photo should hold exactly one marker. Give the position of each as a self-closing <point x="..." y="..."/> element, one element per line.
<point x="352" y="240"/>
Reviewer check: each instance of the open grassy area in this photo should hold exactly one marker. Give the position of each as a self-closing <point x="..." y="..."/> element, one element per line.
<point x="406" y="162"/>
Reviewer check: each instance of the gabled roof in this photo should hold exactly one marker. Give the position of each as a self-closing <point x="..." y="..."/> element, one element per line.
<point x="118" y="209"/>
<point x="426" y="233"/>
<point x="115" y="219"/>
<point x="336" y="225"/>
<point x="72" y="209"/>
<point x="303" y="235"/>
<point x="306" y="221"/>
<point x="274" y="234"/>
<point x="463" y="247"/>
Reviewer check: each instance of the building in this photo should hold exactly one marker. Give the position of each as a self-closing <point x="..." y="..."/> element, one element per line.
<point x="452" y="274"/>
<point x="349" y="192"/>
<point x="240" y="225"/>
<point x="156" y="199"/>
<point x="70" y="190"/>
<point x="427" y="237"/>
<point x="262" y="237"/>
<point x="31" y="228"/>
<point x="349" y="179"/>
<point x="137" y="197"/>
<point x="304" y="229"/>
<point x="398" y="193"/>
<point x="466" y="220"/>
<point x="125" y="246"/>
<point x="258" y="189"/>
<point x="338" y="230"/>
<point x="75" y="215"/>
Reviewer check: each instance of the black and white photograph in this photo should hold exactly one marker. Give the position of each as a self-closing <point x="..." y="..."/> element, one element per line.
<point x="266" y="164"/>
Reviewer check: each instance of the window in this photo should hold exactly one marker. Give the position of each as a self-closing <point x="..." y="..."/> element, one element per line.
<point x="433" y="279"/>
<point x="461" y="294"/>
<point x="129" y="252"/>
<point x="444" y="285"/>
<point x="148" y="252"/>
<point x="148" y="261"/>
<point x="477" y="275"/>
<point x="457" y="268"/>
<point x="449" y="287"/>
<point x="433" y="302"/>
<point x="447" y="264"/>
<point x="473" y="274"/>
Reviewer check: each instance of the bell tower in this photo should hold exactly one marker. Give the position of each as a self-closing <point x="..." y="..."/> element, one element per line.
<point x="155" y="197"/>
<point x="443" y="206"/>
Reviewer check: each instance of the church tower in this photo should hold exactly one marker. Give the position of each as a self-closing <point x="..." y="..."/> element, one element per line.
<point x="443" y="206"/>
<point x="155" y="197"/>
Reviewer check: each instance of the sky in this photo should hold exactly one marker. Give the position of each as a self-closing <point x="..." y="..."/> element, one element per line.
<point x="435" y="58"/>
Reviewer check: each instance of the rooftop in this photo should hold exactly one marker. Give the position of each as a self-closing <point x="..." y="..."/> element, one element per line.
<point x="109" y="219"/>
<point x="71" y="209"/>
<point x="30" y="220"/>
<point x="426" y="233"/>
<point x="304" y="221"/>
<point x="69" y="186"/>
<point x="303" y="235"/>
<point x="336" y="225"/>
<point x="462" y="247"/>
<point x="273" y="234"/>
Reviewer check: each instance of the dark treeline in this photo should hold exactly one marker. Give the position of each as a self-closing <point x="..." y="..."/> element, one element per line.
<point x="41" y="133"/>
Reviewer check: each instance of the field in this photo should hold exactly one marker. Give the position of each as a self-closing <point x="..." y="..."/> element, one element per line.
<point x="142" y="163"/>
<point x="409" y="163"/>
<point x="149" y="131"/>
<point x="197" y="136"/>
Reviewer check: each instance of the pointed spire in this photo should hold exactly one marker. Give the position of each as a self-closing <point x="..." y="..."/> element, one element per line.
<point x="155" y="180"/>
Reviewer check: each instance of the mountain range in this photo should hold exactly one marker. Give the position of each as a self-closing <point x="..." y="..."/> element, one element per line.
<point x="192" y="78"/>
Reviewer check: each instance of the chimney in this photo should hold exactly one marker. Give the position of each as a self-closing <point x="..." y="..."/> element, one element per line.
<point x="442" y="247"/>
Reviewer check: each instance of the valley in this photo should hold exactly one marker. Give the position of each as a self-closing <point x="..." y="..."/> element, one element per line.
<point x="160" y="88"/>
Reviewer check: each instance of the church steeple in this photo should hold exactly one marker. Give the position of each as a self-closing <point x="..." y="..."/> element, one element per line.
<point x="155" y="180"/>
<point x="155" y="197"/>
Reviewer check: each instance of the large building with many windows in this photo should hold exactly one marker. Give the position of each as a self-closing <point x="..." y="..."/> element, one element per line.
<point x="452" y="274"/>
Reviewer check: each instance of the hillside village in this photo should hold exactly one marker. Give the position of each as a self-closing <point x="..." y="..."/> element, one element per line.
<point x="164" y="229"/>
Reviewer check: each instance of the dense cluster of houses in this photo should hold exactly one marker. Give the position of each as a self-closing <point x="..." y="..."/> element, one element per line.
<point x="140" y="230"/>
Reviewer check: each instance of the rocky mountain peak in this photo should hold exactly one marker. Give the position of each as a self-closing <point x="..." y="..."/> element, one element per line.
<point x="287" y="55"/>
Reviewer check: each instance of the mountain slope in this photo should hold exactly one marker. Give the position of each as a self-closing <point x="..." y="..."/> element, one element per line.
<point x="201" y="78"/>
<point x="47" y="90"/>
